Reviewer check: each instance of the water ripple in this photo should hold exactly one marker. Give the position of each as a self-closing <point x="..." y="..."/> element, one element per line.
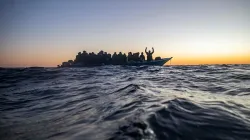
<point x="121" y="102"/>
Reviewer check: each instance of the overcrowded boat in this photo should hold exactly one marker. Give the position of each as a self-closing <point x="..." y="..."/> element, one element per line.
<point x="85" y="59"/>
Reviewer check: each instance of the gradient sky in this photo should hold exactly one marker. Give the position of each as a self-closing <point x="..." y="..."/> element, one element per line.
<point x="47" y="32"/>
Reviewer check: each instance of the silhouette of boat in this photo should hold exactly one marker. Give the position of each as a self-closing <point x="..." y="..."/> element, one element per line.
<point x="160" y="62"/>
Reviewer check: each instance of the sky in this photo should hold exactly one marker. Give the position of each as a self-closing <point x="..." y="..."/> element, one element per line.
<point x="48" y="32"/>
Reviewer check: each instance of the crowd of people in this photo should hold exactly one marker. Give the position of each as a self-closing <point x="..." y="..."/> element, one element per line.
<point x="89" y="59"/>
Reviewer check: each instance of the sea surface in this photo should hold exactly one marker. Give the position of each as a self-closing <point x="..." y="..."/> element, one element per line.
<point x="206" y="102"/>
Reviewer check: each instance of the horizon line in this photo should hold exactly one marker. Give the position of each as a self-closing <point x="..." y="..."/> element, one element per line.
<point x="122" y="65"/>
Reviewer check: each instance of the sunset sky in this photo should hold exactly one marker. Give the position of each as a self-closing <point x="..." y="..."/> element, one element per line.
<point x="47" y="32"/>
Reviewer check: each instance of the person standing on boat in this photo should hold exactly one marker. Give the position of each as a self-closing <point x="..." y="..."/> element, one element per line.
<point x="149" y="54"/>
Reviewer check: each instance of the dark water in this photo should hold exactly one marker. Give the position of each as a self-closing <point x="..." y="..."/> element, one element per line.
<point x="116" y="102"/>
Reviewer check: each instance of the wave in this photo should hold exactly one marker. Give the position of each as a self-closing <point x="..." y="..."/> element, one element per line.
<point x="184" y="119"/>
<point x="121" y="102"/>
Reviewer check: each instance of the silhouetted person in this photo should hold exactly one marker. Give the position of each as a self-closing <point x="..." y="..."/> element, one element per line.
<point x="78" y="58"/>
<point x="100" y="58"/>
<point x="149" y="54"/>
<point x="109" y="58"/>
<point x="105" y="58"/>
<point x="93" y="59"/>
<point x="142" y="57"/>
<point x="130" y="56"/>
<point x="124" y="58"/>
<point x="100" y="53"/>
<point x="70" y="62"/>
<point x="136" y="56"/>
<point x="114" y="58"/>
<point x="84" y="57"/>
<point x="119" y="58"/>
<point x="90" y="59"/>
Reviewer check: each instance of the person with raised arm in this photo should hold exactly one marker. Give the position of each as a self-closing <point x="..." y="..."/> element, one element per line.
<point x="149" y="54"/>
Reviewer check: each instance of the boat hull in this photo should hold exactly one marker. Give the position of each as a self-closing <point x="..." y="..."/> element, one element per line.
<point x="151" y="63"/>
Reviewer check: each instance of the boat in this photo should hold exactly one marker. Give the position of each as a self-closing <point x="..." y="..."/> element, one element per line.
<point x="160" y="62"/>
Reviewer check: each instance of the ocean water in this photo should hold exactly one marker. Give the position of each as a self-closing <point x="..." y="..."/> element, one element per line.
<point x="207" y="102"/>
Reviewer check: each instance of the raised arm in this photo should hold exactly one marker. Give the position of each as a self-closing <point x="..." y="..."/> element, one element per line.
<point x="153" y="50"/>
<point x="146" y="50"/>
